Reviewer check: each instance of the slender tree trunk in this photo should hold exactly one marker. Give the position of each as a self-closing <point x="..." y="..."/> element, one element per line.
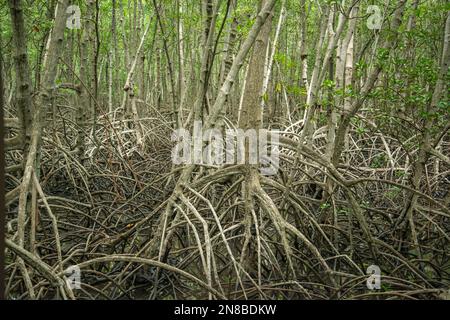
<point x="23" y="75"/>
<point x="85" y="107"/>
<point x="303" y="45"/>
<point x="251" y="118"/>
<point x="169" y="65"/>
<point x="343" y="79"/>
<point x="130" y="90"/>
<point x="270" y="58"/>
<point x="229" y="44"/>
<point x="44" y="102"/>
<point x="181" y="60"/>
<point x="251" y="114"/>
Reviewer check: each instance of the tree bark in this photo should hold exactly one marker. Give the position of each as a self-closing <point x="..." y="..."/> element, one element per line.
<point x="23" y="75"/>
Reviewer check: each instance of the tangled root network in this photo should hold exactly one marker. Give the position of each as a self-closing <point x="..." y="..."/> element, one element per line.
<point x="138" y="229"/>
